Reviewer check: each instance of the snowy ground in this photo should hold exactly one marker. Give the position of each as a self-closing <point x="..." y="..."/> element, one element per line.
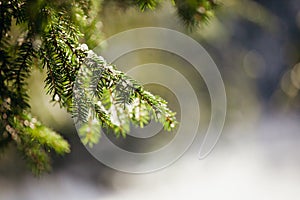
<point x="258" y="160"/>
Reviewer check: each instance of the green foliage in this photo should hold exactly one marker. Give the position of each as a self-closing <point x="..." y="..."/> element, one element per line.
<point x="49" y="35"/>
<point x="106" y="96"/>
<point x="193" y="12"/>
<point x="144" y="4"/>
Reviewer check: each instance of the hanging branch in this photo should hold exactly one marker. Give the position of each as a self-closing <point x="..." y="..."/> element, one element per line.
<point x="51" y="38"/>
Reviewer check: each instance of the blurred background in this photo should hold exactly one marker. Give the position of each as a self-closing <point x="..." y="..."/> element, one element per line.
<point x="256" y="46"/>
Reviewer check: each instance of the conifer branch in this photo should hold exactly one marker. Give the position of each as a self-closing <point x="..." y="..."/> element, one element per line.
<point x="94" y="91"/>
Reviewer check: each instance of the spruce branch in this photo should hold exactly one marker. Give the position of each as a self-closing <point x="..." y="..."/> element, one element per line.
<point x="118" y="99"/>
<point x="53" y="37"/>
